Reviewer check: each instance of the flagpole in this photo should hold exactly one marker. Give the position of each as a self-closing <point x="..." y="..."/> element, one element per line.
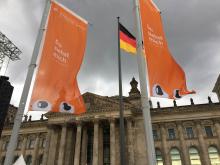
<point x="122" y="129"/>
<point x="18" y="119"/>
<point x="142" y="68"/>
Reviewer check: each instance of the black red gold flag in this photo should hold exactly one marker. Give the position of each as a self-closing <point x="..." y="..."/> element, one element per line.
<point x="127" y="40"/>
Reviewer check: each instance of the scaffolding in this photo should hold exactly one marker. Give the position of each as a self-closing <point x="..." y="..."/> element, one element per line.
<point x="8" y="49"/>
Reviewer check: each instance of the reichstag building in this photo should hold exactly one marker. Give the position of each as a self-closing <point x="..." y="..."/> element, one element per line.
<point x="183" y="135"/>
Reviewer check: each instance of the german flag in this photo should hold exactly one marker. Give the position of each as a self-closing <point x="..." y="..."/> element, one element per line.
<point x="127" y="40"/>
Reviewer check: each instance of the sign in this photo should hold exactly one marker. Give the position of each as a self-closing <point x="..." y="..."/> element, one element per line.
<point x="166" y="77"/>
<point x="55" y="88"/>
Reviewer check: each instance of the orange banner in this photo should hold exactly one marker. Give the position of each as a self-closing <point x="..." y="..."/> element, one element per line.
<point x="166" y="77"/>
<point x="55" y="88"/>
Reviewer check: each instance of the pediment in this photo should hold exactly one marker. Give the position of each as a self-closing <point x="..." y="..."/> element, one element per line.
<point x="96" y="102"/>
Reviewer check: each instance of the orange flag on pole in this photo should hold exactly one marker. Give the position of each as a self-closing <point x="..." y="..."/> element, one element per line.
<point x="166" y="77"/>
<point x="55" y="88"/>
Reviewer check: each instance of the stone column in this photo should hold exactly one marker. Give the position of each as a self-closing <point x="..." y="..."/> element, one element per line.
<point x="183" y="146"/>
<point x="54" y="148"/>
<point x="46" y="149"/>
<point x="140" y="148"/>
<point x="36" y="148"/>
<point x="69" y="149"/>
<point x="204" y="150"/>
<point x="130" y="142"/>
<point x="217" y="129"/>
<point x="100" y="147"/>
<point x="1" y="143"/>
<point x="95" y="143"/>
<point x="78" y="144"/>
<point x="112" y="142"/>
<point x="117" y="144"/>
<point x="62" y="145"/>
<point x="166" y="154"/>
<point x="84" y="146"/>
<point x="23" y="148"/>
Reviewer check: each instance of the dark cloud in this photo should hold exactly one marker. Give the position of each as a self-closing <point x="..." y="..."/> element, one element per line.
<point x="192" y="29"/>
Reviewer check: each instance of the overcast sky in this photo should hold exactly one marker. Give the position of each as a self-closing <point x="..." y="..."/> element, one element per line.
<point x="192" y="29"/>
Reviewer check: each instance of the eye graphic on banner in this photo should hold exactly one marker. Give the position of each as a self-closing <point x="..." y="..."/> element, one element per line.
<point x="55" y="87"/>
<point x="166" y="77"/>
<point x="42" y="105"/>
<point x="176" y="94"/>
<point x="158" y="91"/>
<point x="66" y="107"/>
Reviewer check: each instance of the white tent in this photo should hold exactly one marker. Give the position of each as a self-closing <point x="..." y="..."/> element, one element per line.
<point x="20" y="161"/>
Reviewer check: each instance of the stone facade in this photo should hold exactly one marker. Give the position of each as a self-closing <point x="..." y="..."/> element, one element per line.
<point x="186" y="135"/>
<point x="11" y="115"/>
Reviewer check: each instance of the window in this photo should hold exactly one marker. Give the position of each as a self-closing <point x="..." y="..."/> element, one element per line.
<point x="213" y="155"/>
<point x="155" y="134"/>
<point x="19" y="144"/>
<point x="2" y="160"/>
<point x="171" y="133"/>
<point x="5" y="145"/>
<point x="175" y="157"/>
<point x="43" y="143"/>
<point x="40" y="160"/>
<point x="106" y="145"/>
<point x="28" y="160"/>
<point x="159" y="158"/>
<point x="194" y="156"/>
<point x="189" y="132"/>
<point x="30" y="143"/>
<point x="208" y="130"/>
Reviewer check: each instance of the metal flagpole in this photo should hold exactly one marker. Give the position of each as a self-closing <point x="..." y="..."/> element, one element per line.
<point x="19" y="115"/>
<point x="122" y="129"/>
<point x="142" y="68"/>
